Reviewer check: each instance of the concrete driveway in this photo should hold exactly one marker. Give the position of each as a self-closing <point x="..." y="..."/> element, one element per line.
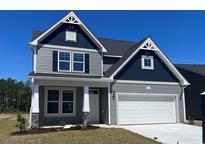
<point x="169" y="133"/>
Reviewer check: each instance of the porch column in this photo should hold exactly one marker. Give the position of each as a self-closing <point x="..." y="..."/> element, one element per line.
<point x="86" y="106"/>
<point x="34" y="111"/>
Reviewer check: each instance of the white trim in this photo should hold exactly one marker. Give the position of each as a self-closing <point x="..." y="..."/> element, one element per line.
<point x="67" y="48"/>
<point x="59" y="70"/>
<point x="60" y="105"/>
<point x="109" y="116"/>
<point x="155" y="94"/>
<point x="184" y="104"/>
<point x="161" y="56"/>
<point x="35" y="60"/>
<point x="151" y="58"/>
<point x="72" y="66"/>
<point x="113" y="56"/>
<point x="63" y="20"/>
<point x="71" y="79"/>
<point x="86" y="103"/>
<point x="146" y="82"/>
<point x="35" y="98"/>
<point x="102" y="68"/>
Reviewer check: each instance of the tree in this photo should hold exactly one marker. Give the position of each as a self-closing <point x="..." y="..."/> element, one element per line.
<point x="14" y="96"/>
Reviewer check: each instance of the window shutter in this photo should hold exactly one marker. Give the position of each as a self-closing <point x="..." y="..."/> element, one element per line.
<point x="87" y="67"/>
<point x="55" y="61"/>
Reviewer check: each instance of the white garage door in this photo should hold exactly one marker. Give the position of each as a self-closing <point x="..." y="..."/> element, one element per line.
<point x="146" y="109"/>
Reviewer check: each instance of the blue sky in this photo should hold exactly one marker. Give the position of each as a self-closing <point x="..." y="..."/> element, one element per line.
<point x="180" y="34"/>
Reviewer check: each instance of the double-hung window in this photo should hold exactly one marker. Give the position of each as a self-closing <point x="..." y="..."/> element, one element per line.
<point x="60" y="101"/>
<point x="53" y="99"/>
<point x="67" y="101"/>
<point x="78" y="63"/>
<point x="64" y="61"/>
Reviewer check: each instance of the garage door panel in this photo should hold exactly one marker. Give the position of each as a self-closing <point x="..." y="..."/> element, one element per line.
<point x="144" y="112"/>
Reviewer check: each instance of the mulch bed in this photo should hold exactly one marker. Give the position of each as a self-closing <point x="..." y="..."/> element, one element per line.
<point x="47" y="130"/>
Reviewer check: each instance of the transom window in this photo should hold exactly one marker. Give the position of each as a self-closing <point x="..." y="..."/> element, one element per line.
<point x="64" y="61"/>
<point x="60" y="101"/>
<point x="78" y="62"/>
<point x="147" y="62"/>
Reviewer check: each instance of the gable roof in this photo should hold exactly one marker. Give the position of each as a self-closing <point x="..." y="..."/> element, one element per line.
<point x="196" y="68"/>
<point x="113" y="47"/>
<point x="73" y="19"/>
<point x="126" y="55"/>
<point x="146" y="43"/>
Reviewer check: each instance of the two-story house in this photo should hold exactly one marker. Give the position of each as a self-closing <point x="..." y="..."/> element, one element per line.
<point x="77" y="76"/>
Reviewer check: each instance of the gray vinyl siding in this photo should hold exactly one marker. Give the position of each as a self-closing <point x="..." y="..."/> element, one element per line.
<point x="45" y="62"/>
<point x="56" y="120"/>
<point x="141" y="88"/>
<point x="104" y="105"/>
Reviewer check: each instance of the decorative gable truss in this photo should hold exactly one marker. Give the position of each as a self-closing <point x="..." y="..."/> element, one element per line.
<point x="148" y="44"/>
<point x="72" y="19"/>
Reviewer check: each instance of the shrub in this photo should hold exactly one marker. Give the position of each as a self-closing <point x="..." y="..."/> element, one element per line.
<point x="62" y="123"/>
<point x="21" y="122"/>
<point x="191" y="120"/>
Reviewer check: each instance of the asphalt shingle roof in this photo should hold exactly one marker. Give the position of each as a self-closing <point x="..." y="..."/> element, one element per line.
<point x="196" y="68"/>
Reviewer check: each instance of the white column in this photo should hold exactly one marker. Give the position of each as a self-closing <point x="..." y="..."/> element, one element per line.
<point x="35" y="99"/>
<point x="86" y="103"/>
<point x="34" y="59"/>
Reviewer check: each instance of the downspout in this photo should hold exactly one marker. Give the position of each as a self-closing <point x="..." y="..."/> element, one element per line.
<point x="182" y="97"/>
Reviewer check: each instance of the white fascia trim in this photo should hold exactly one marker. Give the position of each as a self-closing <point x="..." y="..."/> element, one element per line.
<point x="147" y="82"/>
<point x="71" y="79"/>
<point x="114" y="56"/>
<point x="67" y="48"/>
<point x="109" y="121"/>
<point x="35" y="42"/>
<point x="162" y="57"/>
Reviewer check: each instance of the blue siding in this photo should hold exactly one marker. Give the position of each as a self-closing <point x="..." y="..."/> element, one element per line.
<point x="110" y="60"/>
<point x="133" y="71"/>
<point x="58" y="37"/>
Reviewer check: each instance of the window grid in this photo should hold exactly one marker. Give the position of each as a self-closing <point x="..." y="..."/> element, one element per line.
<point x="78" y="61"/>
<point x="60" y="102"/>
<point x="60" y="61"/>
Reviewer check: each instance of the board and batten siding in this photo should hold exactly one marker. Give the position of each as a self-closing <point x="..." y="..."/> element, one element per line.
<point x="141" y="88"/>
<point x="45" y="62"/>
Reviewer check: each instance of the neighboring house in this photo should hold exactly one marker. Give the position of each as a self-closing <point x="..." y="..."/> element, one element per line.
<point x="115" y="82"/>
<point x="195" y="74"/>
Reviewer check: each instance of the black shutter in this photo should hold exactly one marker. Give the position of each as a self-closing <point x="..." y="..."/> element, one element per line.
<point x="87" y="62"/>
<point x="55" y="61"/>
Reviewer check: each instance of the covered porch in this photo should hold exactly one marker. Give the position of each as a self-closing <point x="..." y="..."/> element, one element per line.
<point x="64" y="102"/>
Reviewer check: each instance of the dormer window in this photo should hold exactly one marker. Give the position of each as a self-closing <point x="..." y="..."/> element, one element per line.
<point x="70" y="36"/>
<point x="147" y="62"/>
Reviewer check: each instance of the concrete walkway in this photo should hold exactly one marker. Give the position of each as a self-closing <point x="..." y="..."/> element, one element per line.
<point x="169" y="133"/>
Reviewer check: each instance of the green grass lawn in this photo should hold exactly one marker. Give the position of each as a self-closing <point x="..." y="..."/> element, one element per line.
<point x="100" y="135"/>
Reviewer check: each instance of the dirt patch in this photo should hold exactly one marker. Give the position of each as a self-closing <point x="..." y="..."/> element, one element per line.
<point x="47" y="130"/>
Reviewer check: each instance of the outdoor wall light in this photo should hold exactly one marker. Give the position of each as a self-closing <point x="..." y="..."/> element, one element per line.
<point x="113" y="95"/>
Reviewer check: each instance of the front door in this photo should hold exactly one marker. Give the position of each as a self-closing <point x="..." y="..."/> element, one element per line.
<point x="94" y="105"/>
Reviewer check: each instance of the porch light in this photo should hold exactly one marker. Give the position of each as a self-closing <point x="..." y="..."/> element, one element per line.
<point x="113" y="95"/>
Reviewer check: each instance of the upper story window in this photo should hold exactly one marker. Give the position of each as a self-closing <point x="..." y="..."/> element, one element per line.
<point x="147" y="62"/>
<point x="64" y="61"/>
<point x="78" y="62"/>
<point x="70" y="36"/>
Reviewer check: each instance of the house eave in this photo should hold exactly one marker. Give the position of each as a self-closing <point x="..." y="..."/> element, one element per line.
<point x="70" y="78"/>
